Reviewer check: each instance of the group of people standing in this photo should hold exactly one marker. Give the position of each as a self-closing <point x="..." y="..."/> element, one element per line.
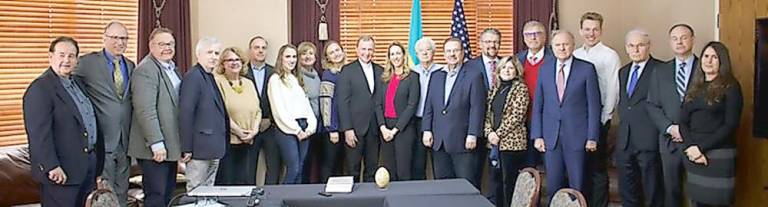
<point x="89" y="116"/>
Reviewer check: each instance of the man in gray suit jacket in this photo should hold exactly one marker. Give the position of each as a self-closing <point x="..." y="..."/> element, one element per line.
<point x="666" y="91"/>
<point x="105" y="74"/>
<point x="154" y="140"/>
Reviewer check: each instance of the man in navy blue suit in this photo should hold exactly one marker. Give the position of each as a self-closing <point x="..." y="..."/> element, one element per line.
<point x="203" y="119"/>
<point x="453" y="116"/>
<point x="565" y="120"/>
<point x="66" y="152"/>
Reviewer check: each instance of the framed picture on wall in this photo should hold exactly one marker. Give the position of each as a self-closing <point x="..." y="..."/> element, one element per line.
<point x="760" y="117"/>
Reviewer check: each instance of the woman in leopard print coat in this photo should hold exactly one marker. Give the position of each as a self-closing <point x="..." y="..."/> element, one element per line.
<point x="505" y="124"/>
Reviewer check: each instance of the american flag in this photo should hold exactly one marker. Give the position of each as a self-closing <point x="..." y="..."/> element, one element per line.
<point x="459" y="28"/>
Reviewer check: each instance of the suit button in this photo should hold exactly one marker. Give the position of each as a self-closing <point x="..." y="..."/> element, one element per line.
<point x="85" y="134"/>
<point x="630" y="108"/>
<point x="85" y="150"/>
<point x="444" y="112"/>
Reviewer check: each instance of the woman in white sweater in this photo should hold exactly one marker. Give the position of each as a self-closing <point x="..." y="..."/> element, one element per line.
<point x="292" y="113"/>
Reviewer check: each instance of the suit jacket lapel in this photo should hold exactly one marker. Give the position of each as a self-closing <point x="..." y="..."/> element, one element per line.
<point x="457" y="85"/>
<point x="641" y="81"/>
<point x="167" y="80"/>
<point x="62" y="94"/>
<point x="568" y="81"/>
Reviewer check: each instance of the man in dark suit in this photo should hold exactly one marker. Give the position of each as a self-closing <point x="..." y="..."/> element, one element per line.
<point x="453" y="116"/>
<point x="203" y="118"/>
<point x="637" y="152"/>
<point x="490" y="43"/>
<point x="357" y="83"/>
<point x="154" y="140"/>
<point x="259" y="71"/>
<point x="66" y="152"/>
<point x="665" y="94"/>
<point x="106" y="74"/>
<point x="565" y="120"/>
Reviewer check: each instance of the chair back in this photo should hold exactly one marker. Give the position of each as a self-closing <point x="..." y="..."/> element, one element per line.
<point x="568" y="197"/>
<point x="527" y="188"/>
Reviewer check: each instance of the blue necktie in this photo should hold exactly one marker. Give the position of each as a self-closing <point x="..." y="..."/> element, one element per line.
<point x="633" y="80"/>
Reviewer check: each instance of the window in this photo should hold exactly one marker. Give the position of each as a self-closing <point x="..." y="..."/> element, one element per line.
<point x="389" y="20"/>
<point x="26" y="30"/>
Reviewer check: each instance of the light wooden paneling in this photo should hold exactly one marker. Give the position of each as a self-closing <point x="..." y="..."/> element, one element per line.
<point x="737" y="31"/>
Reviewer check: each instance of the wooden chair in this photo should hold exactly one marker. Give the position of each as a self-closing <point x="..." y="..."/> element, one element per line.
<point x="527" y="188"/>
<point x="568" y="197"/>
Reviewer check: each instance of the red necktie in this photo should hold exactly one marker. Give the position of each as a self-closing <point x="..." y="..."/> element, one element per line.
<point x="493" y="73"/>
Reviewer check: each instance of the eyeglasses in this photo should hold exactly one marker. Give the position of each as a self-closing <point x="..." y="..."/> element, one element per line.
<point x="235" y="60"/>
<point x="122" y="38"/>
<point x="531" y="34"/>
<point x="166" y="44"/>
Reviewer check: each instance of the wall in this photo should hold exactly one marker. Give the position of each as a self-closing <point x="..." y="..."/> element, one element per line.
<point x="235" y="22"/>
<point x="654" y="16"/>
<point x="737" y="19"/>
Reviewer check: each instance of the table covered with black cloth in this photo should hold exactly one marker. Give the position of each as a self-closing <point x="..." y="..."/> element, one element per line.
<point x="425" y="193"/>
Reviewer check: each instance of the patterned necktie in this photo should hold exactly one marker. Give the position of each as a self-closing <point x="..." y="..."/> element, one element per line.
<point x="560" y="82"/>
<point x="680" y="79"/>
<point x="533" y="60"/>
<point x="493" y="73"/>
<point x="633" y="80"/>
<point x="117" y="74"/>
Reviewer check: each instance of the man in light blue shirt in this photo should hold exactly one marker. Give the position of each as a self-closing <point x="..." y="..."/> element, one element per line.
<point x="425" y="52"/>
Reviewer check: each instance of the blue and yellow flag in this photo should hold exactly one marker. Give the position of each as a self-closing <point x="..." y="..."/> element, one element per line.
<point x="415" y="32"/>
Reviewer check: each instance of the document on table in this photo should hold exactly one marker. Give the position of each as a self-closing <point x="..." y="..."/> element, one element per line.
<point x="342" y="184"/>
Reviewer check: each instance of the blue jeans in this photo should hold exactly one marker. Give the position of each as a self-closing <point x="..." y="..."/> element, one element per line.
<point x="293" y="153"/>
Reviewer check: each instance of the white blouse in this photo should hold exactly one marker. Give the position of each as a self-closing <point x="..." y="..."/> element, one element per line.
<point x="289" y="102"/>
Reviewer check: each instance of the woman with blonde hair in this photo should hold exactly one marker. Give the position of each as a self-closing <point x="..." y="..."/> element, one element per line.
<point x="242" y="104"/>
<point x="395" y="108"/>
<point x="505" y="127"/>
<point x="333" y="60"/>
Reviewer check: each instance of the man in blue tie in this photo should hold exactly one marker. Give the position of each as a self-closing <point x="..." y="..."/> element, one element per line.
<point x="637" y="151"/>
<point x="664" y="108"/>
<point x="565" y="122"/>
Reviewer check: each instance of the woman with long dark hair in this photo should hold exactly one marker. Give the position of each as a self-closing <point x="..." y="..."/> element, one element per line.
<point x="292" y="113"/>
<point x="709" y="118"/>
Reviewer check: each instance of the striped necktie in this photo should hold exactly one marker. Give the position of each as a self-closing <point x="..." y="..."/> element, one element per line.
<point x="681" y="78"/>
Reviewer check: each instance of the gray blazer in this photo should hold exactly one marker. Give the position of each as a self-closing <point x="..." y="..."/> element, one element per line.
<point x="155" y="111"/>
<point x="113" y="113"/>
<point x="664" y="102"/>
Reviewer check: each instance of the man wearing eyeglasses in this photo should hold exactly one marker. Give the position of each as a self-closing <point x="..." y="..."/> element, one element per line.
<point x="537" y="54"/>
<point x="106" y="74"/>
<point x="203" y="119"/>
<point x="154" y="140"/>
<point x="490" y="43"/>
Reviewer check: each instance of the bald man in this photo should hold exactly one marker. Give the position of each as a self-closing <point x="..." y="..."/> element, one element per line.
<point x="106" y="74"/>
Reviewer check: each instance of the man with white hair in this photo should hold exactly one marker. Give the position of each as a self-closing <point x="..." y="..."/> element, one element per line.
<point x="637" y="151"/>
<point x="425" y="52"/>
<point x="203" y="119"/>
<point x="565" y="124"/>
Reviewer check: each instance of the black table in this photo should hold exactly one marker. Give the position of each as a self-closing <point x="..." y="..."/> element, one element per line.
<point x="454" y="192"/>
